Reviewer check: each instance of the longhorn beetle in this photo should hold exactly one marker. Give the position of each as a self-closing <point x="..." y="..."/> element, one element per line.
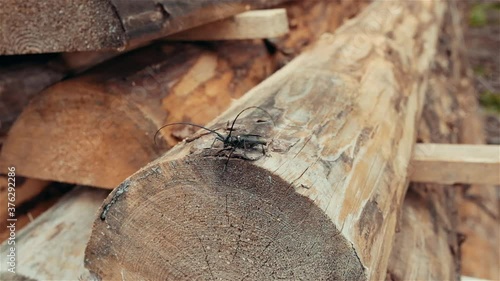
<point x="230" y="142"/>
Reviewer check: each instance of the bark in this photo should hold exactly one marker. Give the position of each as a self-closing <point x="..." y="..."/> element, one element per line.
<point x="323" y="203"/>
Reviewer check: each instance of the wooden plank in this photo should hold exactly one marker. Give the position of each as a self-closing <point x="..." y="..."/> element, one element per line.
<point x="51" y="247"/>
<point x="468" y="278"/>
<point x="257" y="24"/>
<point x="324" y="204"/>
<point x="456" y="163"/>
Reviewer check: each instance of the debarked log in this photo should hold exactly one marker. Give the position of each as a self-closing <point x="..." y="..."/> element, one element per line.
<point x="323" y="202"/>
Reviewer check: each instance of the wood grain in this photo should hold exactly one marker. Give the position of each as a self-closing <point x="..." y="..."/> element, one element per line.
<point x="429" y="243"/>
<point x="324" y="204"/>
<point x="52" y="246"/>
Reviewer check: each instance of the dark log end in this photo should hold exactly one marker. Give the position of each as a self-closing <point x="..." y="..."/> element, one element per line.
<point x="30" y="27"/>
<point x="191" y="220"/>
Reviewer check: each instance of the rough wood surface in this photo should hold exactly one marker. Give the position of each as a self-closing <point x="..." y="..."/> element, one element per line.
<point x="26" y="191"/>
<point x="323" y="205"/>
<point x="308" y="20"/>
<point x="66" y="26"/>
<point x="479" y="205"/>
<point x="449" y="164"/>
<point x="118" y="112"/>
<point x="427" y="245"/>
<point x="52" y="246"/>
<point x="257" y="24"/>
<point x="33" y="26"/>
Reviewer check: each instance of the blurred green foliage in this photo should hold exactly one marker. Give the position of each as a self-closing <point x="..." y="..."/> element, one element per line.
<point x="490" y="101"/>
<point x="478" y="16"/>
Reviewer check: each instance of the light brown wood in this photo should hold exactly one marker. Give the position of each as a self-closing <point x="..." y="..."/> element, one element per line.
<point x="323" y="203"/>
<point x="426" y="243"/>
<point x="257" y="24"/>
<point x="52" y="246"/>
<point x="468" y="278"/>
<point x="449" y="164"/>
<point x="429" y="244"/>
<point x="26" y="190"/>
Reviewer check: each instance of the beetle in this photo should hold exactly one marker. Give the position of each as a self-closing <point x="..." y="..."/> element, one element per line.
<point x="231" y="142"/>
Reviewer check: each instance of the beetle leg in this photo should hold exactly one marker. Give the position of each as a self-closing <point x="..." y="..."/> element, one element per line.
<point x="229" y="156"/>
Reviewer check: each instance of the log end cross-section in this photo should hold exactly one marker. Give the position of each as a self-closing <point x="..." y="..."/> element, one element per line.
<point x="244" y="221"/>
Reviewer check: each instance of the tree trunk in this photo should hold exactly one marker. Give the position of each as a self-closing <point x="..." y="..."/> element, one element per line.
<point x="323" y="203"/>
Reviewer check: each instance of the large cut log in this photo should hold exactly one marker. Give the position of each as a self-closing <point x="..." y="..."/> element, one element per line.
<point x="323" y="203"/>
<point x="119" y="108"/>
<point x="52" y="246"/>
<point x="65" y="26"/>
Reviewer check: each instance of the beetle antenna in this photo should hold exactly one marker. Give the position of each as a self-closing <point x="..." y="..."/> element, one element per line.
<point x="190" y="124"/>
<point x="236" y="118"/>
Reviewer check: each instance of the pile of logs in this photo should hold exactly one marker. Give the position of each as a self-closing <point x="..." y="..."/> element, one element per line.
<point x="356" y="153"/>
